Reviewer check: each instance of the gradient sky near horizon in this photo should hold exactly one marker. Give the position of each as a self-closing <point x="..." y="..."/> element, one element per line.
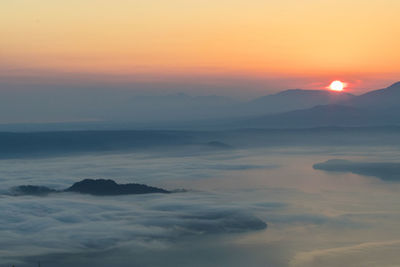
<point x="283" y="44"/>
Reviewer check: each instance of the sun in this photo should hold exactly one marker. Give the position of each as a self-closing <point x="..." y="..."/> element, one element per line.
<point x="336" y="86"/>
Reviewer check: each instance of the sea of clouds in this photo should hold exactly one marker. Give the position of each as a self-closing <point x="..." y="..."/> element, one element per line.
<point x="250" y="207"/>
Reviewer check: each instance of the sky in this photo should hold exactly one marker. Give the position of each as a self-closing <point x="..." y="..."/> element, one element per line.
<point x="234" y="47"/>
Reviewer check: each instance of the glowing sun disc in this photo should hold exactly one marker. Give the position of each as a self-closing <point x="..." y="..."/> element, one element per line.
<point x="336" y="86"/>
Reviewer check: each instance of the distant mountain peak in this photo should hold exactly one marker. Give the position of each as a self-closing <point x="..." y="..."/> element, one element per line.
<point x="295" y="99"/>
<point x="291" y="90"/>
<point x="298" y="91"/>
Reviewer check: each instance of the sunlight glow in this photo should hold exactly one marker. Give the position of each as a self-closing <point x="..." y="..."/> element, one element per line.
<point x="336" y="86"/>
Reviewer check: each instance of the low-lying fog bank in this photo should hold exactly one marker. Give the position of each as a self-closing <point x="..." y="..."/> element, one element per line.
<point x="313" y="216"/>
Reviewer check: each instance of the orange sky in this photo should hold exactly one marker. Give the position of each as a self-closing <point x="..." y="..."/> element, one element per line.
<point x="307" y="38"/>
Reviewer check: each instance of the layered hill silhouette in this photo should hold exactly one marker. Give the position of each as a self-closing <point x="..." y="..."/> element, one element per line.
<point x="375" y="108"/>
<point x="294" y="99"/>
<point x="382" y="99"/>
<point x="294" y="108"/>
<point x="286" y="109"/>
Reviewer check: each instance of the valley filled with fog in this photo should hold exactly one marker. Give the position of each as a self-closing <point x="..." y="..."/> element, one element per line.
<point x="255" y="198"/>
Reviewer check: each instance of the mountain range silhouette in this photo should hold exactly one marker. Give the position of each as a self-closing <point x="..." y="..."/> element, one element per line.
<point x="375" y="108"/>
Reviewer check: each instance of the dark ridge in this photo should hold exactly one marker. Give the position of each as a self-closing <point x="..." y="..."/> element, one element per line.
<point x="98" y="187"/>
<point x="69" y="142"/>
<point x="103" y="187"/>
<point x="396" y="84"/>
<point x="387" y="171"/>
